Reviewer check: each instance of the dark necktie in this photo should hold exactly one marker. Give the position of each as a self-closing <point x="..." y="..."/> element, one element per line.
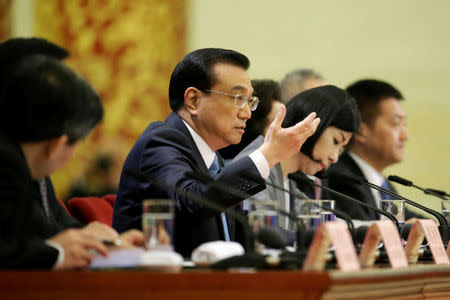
<point x="43" y="190"/>
<point x="213" y="170"/>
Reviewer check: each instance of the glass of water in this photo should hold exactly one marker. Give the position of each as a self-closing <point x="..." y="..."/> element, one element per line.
<point x="327" y="210"/>
<point x="446" y="209"/>
<point x="309" y="212"/>
<point x="157" y="223"/>
<point x="262" y="213"/>
<point x="396" y="208"/>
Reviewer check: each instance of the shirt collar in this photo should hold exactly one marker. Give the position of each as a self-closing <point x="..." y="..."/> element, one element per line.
<point x="205" y="151"/>
<point x="369" y="172"/>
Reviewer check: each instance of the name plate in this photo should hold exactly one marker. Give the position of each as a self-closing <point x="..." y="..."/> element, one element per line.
<point x="387" y="232"/>
<point x="448" y="250"/>
<point x="426" y="228"/>
<point x="336" y="234"/>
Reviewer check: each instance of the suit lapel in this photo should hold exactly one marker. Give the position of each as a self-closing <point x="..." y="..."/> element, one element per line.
<point x="174" y="121"/>
<point x="365" y="190"/>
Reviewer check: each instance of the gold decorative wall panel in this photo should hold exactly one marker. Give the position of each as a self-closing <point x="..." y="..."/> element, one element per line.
<point x="5" y="19"/>
<point x="127" y="50"/>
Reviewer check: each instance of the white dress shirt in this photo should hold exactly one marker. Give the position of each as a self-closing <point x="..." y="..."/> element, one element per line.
<point x="372" y="176"/>
<point x="208" y="155"/>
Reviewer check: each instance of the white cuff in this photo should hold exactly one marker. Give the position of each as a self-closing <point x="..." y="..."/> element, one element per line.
<point x="261" y="163"/>
<point x="60" y="258"/>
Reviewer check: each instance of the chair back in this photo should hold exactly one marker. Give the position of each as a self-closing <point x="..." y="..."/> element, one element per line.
<point x="88" y="209"/>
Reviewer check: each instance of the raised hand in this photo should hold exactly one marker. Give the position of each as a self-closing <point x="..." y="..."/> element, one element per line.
<point x="281" y="143"/>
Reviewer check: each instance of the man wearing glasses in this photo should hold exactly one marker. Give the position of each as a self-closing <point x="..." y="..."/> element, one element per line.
<point x="211" y="97"/>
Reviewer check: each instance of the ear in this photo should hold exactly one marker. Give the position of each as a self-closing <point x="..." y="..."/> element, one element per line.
<point x="192" y="100"/>
<point x="55" y="145"/>
<point x="364" y="133"/>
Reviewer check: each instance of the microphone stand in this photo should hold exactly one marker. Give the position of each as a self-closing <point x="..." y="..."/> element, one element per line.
<point x="298" y="178"/>
<point x="249" y="242"/>
<point x="225" y="188"/>
<point x="338" y="213"/>
<point x="443" y="224"/>
<point x="439" y="192"/>
<point x="406" y="182"/>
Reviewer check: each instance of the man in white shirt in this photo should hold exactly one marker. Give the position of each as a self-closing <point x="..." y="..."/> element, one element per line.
<point x="210" y="94"/>
<point x="380" y="143"/>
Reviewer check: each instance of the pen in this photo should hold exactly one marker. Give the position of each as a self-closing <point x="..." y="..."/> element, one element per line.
<point x="110" y="243"/>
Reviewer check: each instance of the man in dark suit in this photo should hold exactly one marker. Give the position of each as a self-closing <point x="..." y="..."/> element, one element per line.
<point x="45" y="111"/>
<point x="210" y="95"/>
<point x="380" y="143"/>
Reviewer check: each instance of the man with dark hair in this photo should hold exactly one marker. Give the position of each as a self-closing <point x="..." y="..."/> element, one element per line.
<point x="45" y="111"/>
<point x="210" y="94"/>
<point x="268" y="93"/>
<point x="379" y="144"/>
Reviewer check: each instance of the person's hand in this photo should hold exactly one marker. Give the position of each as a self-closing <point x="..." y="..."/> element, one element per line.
<point x="130" y="239"/>
<point x="79" y="248"/>
<point x="281" y="143"/>
<point x="101" y="231"/>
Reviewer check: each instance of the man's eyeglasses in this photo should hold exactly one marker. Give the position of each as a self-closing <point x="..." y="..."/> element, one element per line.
<point x="241" y="100"/>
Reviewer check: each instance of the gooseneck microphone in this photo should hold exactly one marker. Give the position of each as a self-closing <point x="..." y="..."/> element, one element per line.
<point x="338" y="213"/>
<point x="443" y="228"/>
<point x="406" y="182"/>
<point x="434" y="213"/>
<point x="287" y="260"/>
<point x="304" y="179"/>
<point x="439" y="192"/>
<point x="249" y="242"/>
<point x="228" y="189"/>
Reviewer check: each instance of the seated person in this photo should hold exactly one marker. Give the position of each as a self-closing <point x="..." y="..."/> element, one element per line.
<point x="268" y="93"/>
<point x="299" y="80"/>
<point x="339" y="121"/>
<point x="12" y="52"/>
<point x="381" y="143"/>
<point x="45" y="111"/>
<point x="211" y="97"/>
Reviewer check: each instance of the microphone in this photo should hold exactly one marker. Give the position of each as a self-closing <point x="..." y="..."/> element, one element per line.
<point x="287" y="260"/>
<point x="443" y="228"/>
<point x="249" y="239"/>
<point x="437" y="215"/>
<point x="364" y="181"/>
<point x="338" y="213"/>
<point x="298" y="178"/>
<point x="439" y="192"/>
<point x="406" y="182"/>
<point x="272" y="237"/>
<point x="227" y="189"/>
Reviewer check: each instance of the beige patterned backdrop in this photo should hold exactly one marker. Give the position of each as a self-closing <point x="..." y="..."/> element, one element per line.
<point x="127" y="50"/>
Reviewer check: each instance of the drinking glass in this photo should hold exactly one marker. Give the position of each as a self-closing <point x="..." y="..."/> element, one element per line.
<point x="327" y="213"/>
<point x="310" y="213"/>
<point x="396" y="208"/>
<point x="157" y="223"/>
<point x="446" y="209"/>
<point x="262" y="213"/>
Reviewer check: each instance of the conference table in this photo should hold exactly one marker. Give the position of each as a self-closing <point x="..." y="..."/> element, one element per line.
<point x="415" y="282"/>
